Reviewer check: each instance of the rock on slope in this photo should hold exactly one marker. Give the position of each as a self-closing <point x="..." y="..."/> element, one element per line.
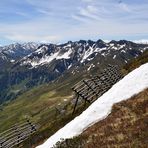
<point x="132" y="84"/>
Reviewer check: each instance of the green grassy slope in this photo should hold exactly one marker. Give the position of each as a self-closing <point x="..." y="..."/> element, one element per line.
<point x="39" y="104"/>
<point x="34" y="104"/>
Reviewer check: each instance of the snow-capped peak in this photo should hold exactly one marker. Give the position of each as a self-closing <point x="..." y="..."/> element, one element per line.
<point x="17" y="50"/>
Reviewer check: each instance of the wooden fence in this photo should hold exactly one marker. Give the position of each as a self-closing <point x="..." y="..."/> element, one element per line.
<point x="17" y="134"/>
<point x="90" y="89"/>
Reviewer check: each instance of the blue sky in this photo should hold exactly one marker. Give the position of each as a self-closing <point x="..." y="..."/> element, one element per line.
<point x="58" y="21"/>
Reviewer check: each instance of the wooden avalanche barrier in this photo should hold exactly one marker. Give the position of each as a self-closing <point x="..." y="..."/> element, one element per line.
<point x="90" y="89"/>
<point x="17" y="134"/>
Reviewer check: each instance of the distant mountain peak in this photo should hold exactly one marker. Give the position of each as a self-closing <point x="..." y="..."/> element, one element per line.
<point x="100" y="41"/>
<point x="17" y="50"/>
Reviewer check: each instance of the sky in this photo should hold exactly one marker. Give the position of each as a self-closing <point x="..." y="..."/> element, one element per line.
<point x="58" y="21"/>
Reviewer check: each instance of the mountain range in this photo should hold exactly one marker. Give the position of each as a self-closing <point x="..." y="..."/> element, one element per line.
<point x="23" y="66"/>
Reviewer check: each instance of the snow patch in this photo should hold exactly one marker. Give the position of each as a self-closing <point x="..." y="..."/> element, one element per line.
<point x="87" y="54"/>
<point x="115" y="48"/>
<point x="125" y="61"/>
<point x="122" y="46"/>
<point x="90" y="59"/>
<point x="114" y="56"/>
<point x="123" y="51"/>
<point x="111" y="44"/>
<point x="69" y="66"/>
<point x="43" y="60"/>
<point x="56" y="70"/>
<point x="66" y="55"/>
<point x="12" y="61"/>
<point x="103" y="54"/>
<point x="47" y="58"/>
<point x="91" y="66"/>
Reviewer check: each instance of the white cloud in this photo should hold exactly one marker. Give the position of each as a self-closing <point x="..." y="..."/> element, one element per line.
<point x="89" y="12"/>
<point x="28" y="38"/>
<point x="46" y="12"/>
<point x="124" y="7"/>
<point x="87" y="0"/>
<point x="142" y="41"/>
<point x="79" y="18"/>
<point x="22" y="14"/>
<point x="92" y="9"/>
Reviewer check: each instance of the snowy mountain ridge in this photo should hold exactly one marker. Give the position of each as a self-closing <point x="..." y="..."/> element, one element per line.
<point x="136" y="81"/>
<point x="80" y="51"/>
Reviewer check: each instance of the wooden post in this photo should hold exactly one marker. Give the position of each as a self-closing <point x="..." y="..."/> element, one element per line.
<point x="85" y="102"/>
<point x="75" y="104"/>
<point x="1" y="142"/>
<point x="57" y="111"/>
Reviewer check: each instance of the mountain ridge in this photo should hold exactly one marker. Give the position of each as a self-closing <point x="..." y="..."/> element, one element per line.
<point x="47" y="62"/>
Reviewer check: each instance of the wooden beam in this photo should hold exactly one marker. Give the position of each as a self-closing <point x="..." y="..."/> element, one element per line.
<point x="75" y="104"/>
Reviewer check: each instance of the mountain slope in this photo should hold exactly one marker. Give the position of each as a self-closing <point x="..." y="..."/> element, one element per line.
<point x="136" y="81"/>
<point x="39" y="102"/>
<point x="126" y="126"/>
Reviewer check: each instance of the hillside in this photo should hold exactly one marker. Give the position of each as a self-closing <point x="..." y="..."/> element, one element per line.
<point x="39" y="103"/>
<point x="136" y="81"/>
<point x="126" y="126"/>
<point x="136" y="62"/>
